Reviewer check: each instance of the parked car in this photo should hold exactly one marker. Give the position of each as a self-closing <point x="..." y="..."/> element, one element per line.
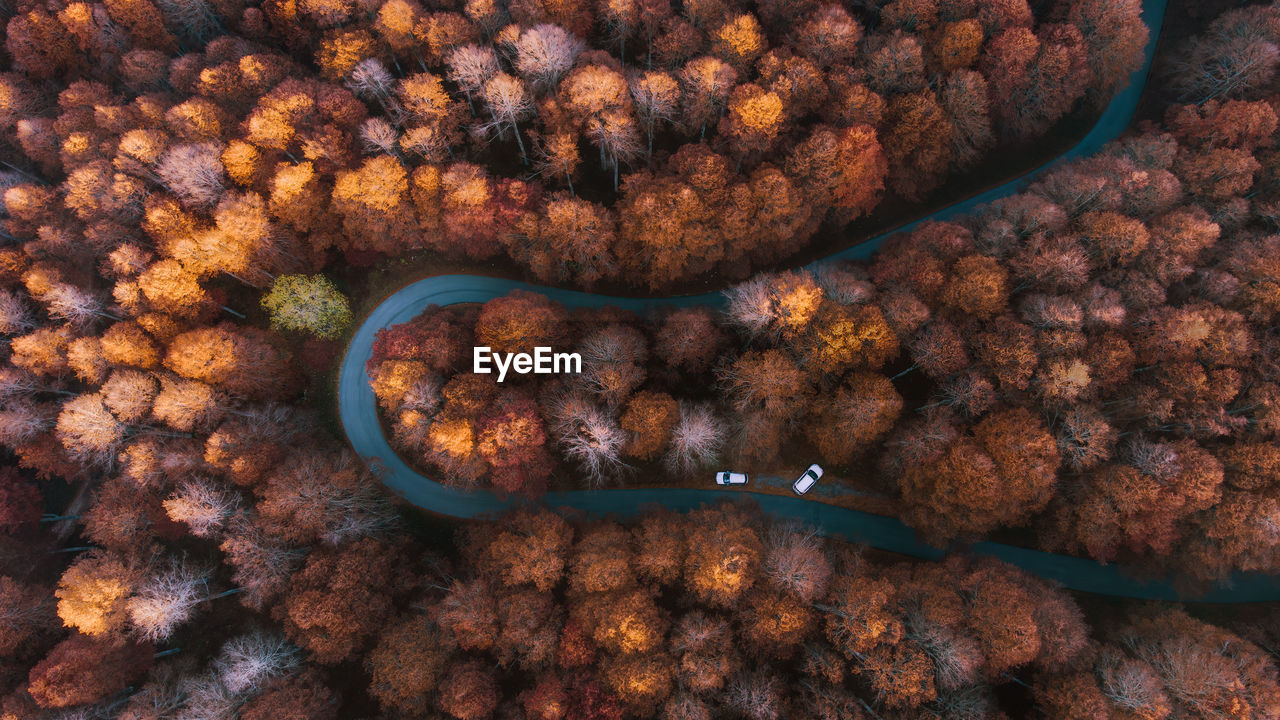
<point x="806" y="481"/>
<point x="731" y="478"/>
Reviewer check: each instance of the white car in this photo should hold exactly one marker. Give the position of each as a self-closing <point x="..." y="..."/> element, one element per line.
<point x="731" y="478"/>
<point x="806" y="481"/>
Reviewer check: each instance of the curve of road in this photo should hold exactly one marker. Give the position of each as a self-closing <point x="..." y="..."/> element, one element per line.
<point x="358" y="410"/>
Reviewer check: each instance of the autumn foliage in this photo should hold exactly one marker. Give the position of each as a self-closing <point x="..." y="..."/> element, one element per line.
<point x="1089" y="357"/>
<point x="1090" y="366"/>
<point x="716" y="611"/>
<point x="814" y="349"/>
<point x="255" y="142"/>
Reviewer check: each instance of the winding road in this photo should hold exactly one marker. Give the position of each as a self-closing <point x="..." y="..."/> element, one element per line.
<point x="358" y="410"/>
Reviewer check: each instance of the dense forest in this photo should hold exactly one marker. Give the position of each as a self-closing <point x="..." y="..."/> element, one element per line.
<point x="1096" y="358"/>
<point x="716" y="613"/>
<point x="331" y="129"/>
<point x="184" y="537"/>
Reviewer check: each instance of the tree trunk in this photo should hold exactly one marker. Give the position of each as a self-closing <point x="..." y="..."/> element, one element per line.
<point x="904" y="372"/>
<point x="62" y="529"/>
<point x="649" y="158"/>
<point x="523" y="157"/>
<point x="224" y="593"/>
<point x="22" y="172"/>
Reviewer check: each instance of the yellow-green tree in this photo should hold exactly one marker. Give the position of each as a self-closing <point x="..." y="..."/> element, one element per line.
<point x="308" y="303"/>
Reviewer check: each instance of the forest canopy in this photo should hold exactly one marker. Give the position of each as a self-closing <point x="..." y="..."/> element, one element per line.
<point x="636" y="142"/>
<point x="1094" y="358"/>
<point x="191" y="189"/>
